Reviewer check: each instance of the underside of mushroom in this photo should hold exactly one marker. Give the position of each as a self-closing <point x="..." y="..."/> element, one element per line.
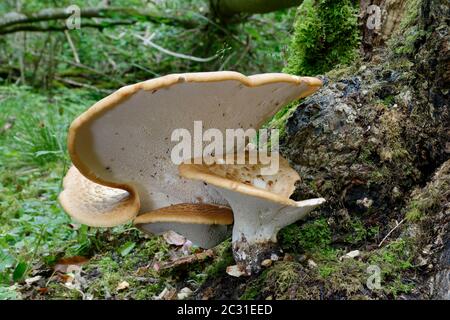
<point x="261" y="205"/>
<point x="204" y="225"/>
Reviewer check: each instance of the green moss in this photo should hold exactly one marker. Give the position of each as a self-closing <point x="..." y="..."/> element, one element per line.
<point x="278" y="121"/>
<point x="358" y="232"/>
<point x="326" y="270"/>
<point x="394" y="260"/>
<point x="409" y="30"/>
<point x="412" y="11"/>
<point x="312" y="235"/>
<point x="61" y="292"/>
<point x="414" y="213"/>
<point x="317" y="44"/>
<point x="389" y="101"/>
<point x="283" y="275"/>
<point x="220" y="264"/>
<point x="426" y="202"/>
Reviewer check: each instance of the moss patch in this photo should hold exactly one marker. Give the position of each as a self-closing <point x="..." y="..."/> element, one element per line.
<point x="317" y="44"/>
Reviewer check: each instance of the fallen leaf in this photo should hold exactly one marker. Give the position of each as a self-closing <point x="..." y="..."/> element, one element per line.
<point x="167" y="294"/>
<point x="32" y="280"/>
<point x="188" y="259"/>
<point x="122" y="286"/>
<point x="63" y="264"/>
<point x="141" y="271"/>
<point x="171" y="294"/>
<point x="42" y="290"/>
<point x="174" y="238"/>
<point x="126" y="248"/>
<point x="266" y="263"/>
<point x="208" y="293"/>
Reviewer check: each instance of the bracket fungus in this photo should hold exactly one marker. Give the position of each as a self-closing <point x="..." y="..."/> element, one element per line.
<point x="121" y="146"/>
<point x="204" y="224"/>
<point x="96" y="205"/>
<point x="260" y="203"/>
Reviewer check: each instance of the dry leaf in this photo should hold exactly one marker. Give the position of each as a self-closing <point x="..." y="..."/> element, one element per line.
<point x="63" y="264"/>
<point x="184" y="293"/>
<point x="141" y="271"/>
<point x="174" y="238"/>
<point x="122" y="286"/>
<point x="156" y="266"/>
<point x="189" y="259"/>
<point x="32" y="280"/>
<point x="42" y="290"/>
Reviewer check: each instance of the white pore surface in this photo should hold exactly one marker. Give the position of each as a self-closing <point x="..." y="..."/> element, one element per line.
<point x="259" y="220"/>
<point x="131" y="143"/>
<point x="203" y="235"/>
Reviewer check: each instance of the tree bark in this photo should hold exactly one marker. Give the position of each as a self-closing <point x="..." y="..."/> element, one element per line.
<point x="387" y="14"/>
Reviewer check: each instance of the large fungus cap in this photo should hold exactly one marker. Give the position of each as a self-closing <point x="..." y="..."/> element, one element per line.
<point x="124" y="140"/>
<point x="93" y="204"/>
<point x="203" y="224"/>
<point x="260" y="203"/>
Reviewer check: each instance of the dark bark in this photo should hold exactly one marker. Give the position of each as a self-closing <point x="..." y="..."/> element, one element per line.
<point x="390" y="16"/>
<point x="378" y="131"/>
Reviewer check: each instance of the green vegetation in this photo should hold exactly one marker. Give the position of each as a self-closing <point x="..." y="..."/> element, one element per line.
<point x="359" y="233"/>
<point x="109" y="58"/>
<point x="311" y="235"/>
<point x="318" y="41"/>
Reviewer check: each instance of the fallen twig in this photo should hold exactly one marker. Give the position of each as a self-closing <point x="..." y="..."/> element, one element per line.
<point x="147" y="41"/>
<point x="392" y="230"/>
<point x="188" y="259"/>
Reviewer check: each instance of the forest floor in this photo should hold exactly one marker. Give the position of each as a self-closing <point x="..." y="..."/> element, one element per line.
<point x="45" y="255"/>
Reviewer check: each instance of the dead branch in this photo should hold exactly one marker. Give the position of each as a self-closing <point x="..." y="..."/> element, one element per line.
<point x="148" y="42"/>
<point x="14" y="22"/>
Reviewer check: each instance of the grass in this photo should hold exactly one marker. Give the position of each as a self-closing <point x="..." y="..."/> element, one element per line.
<point x="33" y="227"/>
<point x="32" y="162"/>
<point x="35" y="232"/>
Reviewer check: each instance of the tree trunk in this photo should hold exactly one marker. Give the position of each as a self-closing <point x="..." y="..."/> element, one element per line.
<point x="379" y="20"/>
<point x="375" y="143"/>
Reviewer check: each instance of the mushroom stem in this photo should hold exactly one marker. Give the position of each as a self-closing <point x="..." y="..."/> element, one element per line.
<point x="256" y="225"/>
